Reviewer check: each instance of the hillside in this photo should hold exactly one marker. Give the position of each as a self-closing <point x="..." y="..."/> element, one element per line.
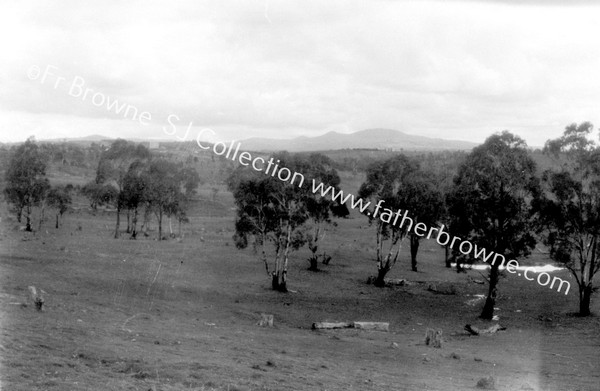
<point x="366" y="139"/>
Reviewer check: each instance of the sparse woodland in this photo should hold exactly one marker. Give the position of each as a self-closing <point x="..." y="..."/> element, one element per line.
<point x="496" y="195"/>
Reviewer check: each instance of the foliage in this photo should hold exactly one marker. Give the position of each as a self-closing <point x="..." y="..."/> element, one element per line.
<point x="99" y="194"/>
<point x="269" y="210"/>
<point x="570" y="208"/>
<point x="421" y="195"/>
<point x="113" y="166"/>
<point x="319" y="168"/>
<point x="162" y="189"/>
<point x="384" y="184"/>
<point x="59" y="198"/>
<point x="491" y="202"/>
<point x="25" y="178"/>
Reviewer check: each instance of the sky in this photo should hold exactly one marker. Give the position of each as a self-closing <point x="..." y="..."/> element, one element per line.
<point x="239" y="69"/>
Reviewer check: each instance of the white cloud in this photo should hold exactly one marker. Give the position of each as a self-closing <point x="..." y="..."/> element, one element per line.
<point x="264" y="68"/>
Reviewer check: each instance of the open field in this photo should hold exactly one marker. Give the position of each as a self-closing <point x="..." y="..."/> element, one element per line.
<point x="147" y="315"/>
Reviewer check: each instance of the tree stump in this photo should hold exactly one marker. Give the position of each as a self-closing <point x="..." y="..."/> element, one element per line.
<point x="433" y="338"/>
<point x="35" y="297"/>
<point x="266" y="320"/>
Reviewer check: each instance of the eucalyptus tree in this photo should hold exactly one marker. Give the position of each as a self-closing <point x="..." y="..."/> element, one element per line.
<point x="25" y="178"/>
<point x="383" y="186"/>
<point x="570" y="208"/>
<point x="492" y="202"/>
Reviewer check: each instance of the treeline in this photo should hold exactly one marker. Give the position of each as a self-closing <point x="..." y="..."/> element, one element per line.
<point x="26" y="185"/>
<point x="64" y="154"/>
<point x="128" y="178"/>
<point x="131" y="180"/>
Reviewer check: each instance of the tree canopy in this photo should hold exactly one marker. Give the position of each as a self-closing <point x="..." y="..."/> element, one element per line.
<point x="491" y="202"/>
<point x="570" y="208"/>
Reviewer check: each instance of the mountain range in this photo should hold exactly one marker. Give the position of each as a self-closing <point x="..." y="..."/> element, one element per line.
<point x="383" y="139"/>
<point x="365" y="139"/>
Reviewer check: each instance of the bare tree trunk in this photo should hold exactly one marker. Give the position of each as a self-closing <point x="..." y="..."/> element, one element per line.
<point x="118" y="222"/>
<point x="379" y="244"/>
<point x="447" y="256"/>
<point x="134" y="223"/>
<point x="314" y="247"/>
<point x="146" y="220"/>
<point x="286" y="253"/>
<point x="57" y="221"/>
<point x="42" y="210"/>
<point x="28" y="219"/>
<point x="264" y="256"/>
<point x="459" y="262"/>
<point x="585" y="296"/>
<point x="382" y="271"/>
<point x="490" y="302"/>
<point x="414" y="249"/>
<point x="277" y="271"/>
<point x="160" y="216"/>
<point x="384" y="268"/>
<point x="128" y="230"/>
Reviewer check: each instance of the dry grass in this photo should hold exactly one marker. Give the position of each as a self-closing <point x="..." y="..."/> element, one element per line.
<point x="148" y="315"/>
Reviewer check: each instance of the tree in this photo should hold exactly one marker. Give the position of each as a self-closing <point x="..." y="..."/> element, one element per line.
<point x="26" y="179"/>
<point x="163" y="189"/>
<point x="319" y="168"/>
<point x="570" y="208"/>
<point x="59" y="198"/>
<point x="190" y="179"/>
<point x="491" y="202"/>
<point x="383" y="186"/>
<point x="269" y="210"/>
<point x="113" y="166"/>
<point x="99" y="194"/>
<point x="134" y="195"/>
<point x="421" y="195"/>
<point x="256" y="214"/>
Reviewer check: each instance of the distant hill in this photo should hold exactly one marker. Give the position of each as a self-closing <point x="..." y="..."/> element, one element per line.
<point x="367" y="139"/>
<point x="79" y="140"/>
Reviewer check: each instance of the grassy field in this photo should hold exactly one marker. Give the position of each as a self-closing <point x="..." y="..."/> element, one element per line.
<point x="182" y="315"/>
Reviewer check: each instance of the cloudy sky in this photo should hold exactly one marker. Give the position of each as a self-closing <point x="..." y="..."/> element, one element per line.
<point x="449" y="69"/>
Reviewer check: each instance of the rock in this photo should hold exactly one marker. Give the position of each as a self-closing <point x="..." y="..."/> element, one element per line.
<point x="486" y="383"/>
<point x="455" y="356"/>
<point x="266" y="320"/>
<point x="36" y="297"/>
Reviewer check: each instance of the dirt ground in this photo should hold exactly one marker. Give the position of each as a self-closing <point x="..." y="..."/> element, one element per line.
<point x="182" y="315"/>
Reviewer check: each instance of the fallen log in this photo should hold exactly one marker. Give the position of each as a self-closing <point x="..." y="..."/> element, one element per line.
<point x="395" y="281"/>
<point x="331" y="325"/>
<point x="378" y="326"/>
<point x="490" y="330"/>
<point x="389" y="281"/>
